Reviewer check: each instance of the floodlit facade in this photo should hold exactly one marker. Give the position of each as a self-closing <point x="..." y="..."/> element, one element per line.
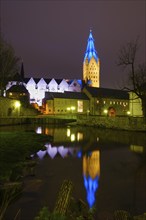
<point x="37" y="87"/>
<point x="66" y="103"/>
<point x="91" y="64"/>
<point x="135" y="105"/>
<point x="107" y="102"/>
<point x="78" y="96"/>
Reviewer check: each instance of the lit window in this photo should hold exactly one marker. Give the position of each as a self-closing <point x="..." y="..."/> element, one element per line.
<point x="79" y="136"/>
<point x="10" y="93"/>
<point x="72" y="137"/>
<point x="97" y="101"/>
<point x="80" y="106"/>
<point x="104" y="102"/>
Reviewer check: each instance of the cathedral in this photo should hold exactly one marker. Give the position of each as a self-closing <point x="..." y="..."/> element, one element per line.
<point x="67" y="96"/>
<point x="91" y="64"/>
<point x="37" y="87"/>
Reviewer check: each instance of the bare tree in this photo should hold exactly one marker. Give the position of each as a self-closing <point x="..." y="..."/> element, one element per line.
<point x="136" y="73"/>
<point x="8" y="64"/>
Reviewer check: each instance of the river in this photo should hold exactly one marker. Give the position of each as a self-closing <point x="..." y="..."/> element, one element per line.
<point x="107" y="168"/>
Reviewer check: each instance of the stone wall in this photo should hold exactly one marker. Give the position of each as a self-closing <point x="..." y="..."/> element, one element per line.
<point x="11" y="114"/>
<point x="8" y="107"/>
<point x="121" y="123"/>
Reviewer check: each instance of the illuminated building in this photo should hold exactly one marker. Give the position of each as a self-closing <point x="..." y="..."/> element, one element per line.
<point x="66" y="103"/>
<point x="135" y="105"/>
<point x="91" y="64"/>
<point x="107" y="102"/>
<point x="81" y="96"/>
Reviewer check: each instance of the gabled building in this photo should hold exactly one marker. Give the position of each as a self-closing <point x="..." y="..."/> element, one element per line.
<point x="66" y="103"/>
<point x="63" y="96"/>
<point x="18" y="92"/>
<point x="104" y="101"/>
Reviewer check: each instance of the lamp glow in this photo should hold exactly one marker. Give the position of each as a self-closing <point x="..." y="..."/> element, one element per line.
<point x="73" y="108"/>
<point x="17" y="104"/>
<point x="105" y="111"/>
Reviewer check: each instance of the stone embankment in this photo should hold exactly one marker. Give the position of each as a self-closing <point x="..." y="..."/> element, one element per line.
<point x="118" y="123"/>
<point x="39" y="119"/>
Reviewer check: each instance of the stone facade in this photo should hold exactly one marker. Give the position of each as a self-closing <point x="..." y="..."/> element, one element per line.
<point x="12" y="108"/>
<point x="9" y="107"/>
<point x="135" y="105"/>
<point x="109" y="102"/>
<point x="37" y="87"/>
<point x="66" y="103"/>
<point x="91" y="64"/>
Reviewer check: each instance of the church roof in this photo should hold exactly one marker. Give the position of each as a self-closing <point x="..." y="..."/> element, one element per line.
<point x="90" y="50"/>
<point x="107" y="93"/>
<point x="17" y="88"/>
<point x="66" y="95"/>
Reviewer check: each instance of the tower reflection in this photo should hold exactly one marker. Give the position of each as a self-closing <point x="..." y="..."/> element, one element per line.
<point x="91" y="173"/>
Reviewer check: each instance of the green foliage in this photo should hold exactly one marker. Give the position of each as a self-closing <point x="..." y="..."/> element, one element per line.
<point x="15" y="147"/>
<point x="44" y="214"/>
<point x="8" y="194"/>
<point x="8" y="63"/>
<point x="78" y="210"/>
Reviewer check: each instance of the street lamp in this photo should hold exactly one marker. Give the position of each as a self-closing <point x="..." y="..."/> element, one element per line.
<point x="105" y="111"/>
<point x="17" y="106"/>
<point x="72" y="108"/>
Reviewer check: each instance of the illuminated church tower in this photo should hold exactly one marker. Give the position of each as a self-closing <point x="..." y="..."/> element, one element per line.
<point x="91" y="64"/>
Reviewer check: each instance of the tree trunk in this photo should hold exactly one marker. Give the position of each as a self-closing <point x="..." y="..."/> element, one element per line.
<point x="144" y="106"/>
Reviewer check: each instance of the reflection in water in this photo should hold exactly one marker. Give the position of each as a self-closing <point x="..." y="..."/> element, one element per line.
<point x="39" y="130"/>
<point x="69" y="135"/>
<point x="91" y="172"/>
<point x="91" y="166"/>
<point x="137" y="148"/>
<point x="41" y="154"/>
<point x="52" y="151"/>
<point x="118" y="159"/>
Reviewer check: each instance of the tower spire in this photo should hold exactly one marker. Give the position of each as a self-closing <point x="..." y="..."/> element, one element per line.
<point x="22" y="70"/>
<point x="91" y="64"/>
<point x="90" y="50"/>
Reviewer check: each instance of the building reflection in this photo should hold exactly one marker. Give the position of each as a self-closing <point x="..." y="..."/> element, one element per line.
<point x="137" y="148"/>
<point x="90" y="160"/>
<point x="60" y="134"/>
<point x="53" y="151"/>
<point x="91" y="173"/>
<point x="91" y="166"/>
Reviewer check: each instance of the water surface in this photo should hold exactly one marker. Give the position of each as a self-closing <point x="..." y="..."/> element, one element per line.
<point x="107" y="168"/>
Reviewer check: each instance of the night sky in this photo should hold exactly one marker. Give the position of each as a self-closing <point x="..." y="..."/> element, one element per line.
<point x="51" y="36"/>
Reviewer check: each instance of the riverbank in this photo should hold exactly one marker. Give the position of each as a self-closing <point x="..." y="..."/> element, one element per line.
<point x="117" y="123"/>
<point x="40" y="119"/>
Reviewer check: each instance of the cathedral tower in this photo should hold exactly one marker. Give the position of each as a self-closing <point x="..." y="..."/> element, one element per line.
<point x="91" y="64"/>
